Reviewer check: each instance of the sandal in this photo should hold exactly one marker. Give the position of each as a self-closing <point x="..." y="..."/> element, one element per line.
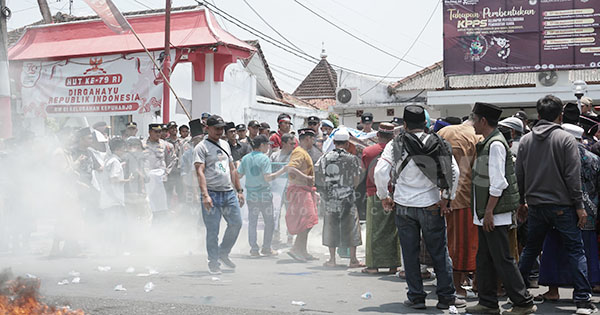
<point x="356" y="265"/>
<point x="296" y="257"/>
<point x="370" y="271"/>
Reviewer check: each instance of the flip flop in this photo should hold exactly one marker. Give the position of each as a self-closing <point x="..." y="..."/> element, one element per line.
<point x="370" y="271"/>
<point x="296" y="257"/>
<point x="357" y="265"/>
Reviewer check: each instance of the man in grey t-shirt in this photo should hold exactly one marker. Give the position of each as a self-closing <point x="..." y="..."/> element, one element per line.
<point x="217" y="178"/>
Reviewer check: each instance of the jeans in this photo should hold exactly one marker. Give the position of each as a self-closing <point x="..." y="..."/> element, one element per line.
<point x="260" y="203"/>
<point x="411" y="223"/>
<point x="226" y="205"/>
<point x="494" y="262"/>
<point x="564" y="219"/>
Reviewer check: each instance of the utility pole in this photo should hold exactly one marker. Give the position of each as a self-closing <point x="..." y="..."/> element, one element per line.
<point x="5" y="110"/>
<point x="167" y="64"/>
<point x="45" y="10"/>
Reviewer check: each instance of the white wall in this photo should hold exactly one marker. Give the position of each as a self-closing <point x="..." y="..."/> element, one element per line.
<point x="378" y="93"/>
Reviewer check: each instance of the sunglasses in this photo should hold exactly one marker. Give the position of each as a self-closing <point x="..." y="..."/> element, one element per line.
<point x="312" y="123"/>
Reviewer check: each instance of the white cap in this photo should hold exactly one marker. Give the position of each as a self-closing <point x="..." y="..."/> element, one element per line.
<point x="575" y="130"/>
<point x="341" y="135"/>
<point x="328" y="123"/>
<point x="512" y="123"/>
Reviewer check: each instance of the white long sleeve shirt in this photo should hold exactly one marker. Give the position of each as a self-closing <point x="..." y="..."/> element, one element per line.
<point x="498" y="182"/>
<point x="413" y="188"/>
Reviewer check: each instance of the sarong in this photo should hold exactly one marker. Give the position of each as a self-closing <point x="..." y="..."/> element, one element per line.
<point x="301" y="208"/>
<point x="462" y="239"/>
<point x="554" y="270"/>
<point x="383" y="245"/>
<point x="341" y="228"/>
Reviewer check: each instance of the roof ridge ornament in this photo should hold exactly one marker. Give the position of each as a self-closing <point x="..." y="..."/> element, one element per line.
<point x="323" y="52"/>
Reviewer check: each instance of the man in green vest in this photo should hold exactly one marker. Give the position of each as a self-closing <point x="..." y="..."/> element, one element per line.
<point x="495" y="198"/>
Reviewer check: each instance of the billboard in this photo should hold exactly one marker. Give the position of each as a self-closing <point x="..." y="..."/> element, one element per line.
<point x="499" y="36"/>
<point x="92" y="86"/>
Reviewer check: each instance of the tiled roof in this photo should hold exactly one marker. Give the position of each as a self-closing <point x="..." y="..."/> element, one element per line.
<point x="59" y="17"/>
<point x="321" y="103"/>
<point x="429" y="78"/>
<point x="432" y="78"/>
<point x="321" y="82"/>
<point x="296" y="102"/>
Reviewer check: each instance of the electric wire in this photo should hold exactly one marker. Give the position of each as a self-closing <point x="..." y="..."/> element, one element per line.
<point x="356" y="37"/>
<point x="409" y="48"/>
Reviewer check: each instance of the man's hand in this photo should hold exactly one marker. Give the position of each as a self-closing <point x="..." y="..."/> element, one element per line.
<point x="388" y="204"/>
<point x="207" y="202"/>
<point x="241" y="199"/>
<point x="582" y="215"/>
<point x="522" y="213"/>
<point x="488" y="221"/>
<point x="444" y="209"/>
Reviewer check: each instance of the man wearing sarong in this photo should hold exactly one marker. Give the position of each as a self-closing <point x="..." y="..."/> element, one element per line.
<point x="301" y="215"/>
<point x="462" y="233"/>
<point x="495" y="197"/>
<point x="337" y="175"/>
<point x="382" y="245"/>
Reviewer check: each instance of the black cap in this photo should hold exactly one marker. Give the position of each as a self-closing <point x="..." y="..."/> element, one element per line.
<point x="155" y="127"/>
<point x="397" y="121"/>
<point x="171" y="124"/>
<point x="264" y="125"/>
<point x="131" y="124"/>
<point x="453" y="120"/>
<point x="414" y="114"/>
<point x="571" y="114"/>
<point x="489" y="111"/>
<point x="240" y="127"/>
<point x="254" y="123"/>
<point x="196" y="127"/>
<point x="258" y="140"/>
<point x="522" y="115"/>
<point x="314" y="119"/>
<point x="229" y="125"/>
<point x="366" y="118"/>
<point x="215" y="121"/>
<point x="306" y="132"/>
<point x="164" y="126"/>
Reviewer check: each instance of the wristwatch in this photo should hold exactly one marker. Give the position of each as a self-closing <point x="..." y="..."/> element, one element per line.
<point x="241" y="190"/>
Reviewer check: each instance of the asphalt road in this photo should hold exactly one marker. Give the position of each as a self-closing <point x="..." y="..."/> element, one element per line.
<point x="183" y="285"/>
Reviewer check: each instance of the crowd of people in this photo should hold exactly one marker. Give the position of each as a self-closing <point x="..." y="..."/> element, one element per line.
<point x="495" y="206"/>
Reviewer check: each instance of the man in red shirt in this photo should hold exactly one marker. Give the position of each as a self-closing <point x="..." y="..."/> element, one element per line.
<point x="284" y="121"/>
<point x="383" y="246"/>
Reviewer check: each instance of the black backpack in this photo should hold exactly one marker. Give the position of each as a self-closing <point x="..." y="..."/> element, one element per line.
<point x="443" y="160"/>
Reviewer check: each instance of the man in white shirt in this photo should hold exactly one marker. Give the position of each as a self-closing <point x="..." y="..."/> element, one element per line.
<point x="495" y="199"/>
<point x="422" y="164"/>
